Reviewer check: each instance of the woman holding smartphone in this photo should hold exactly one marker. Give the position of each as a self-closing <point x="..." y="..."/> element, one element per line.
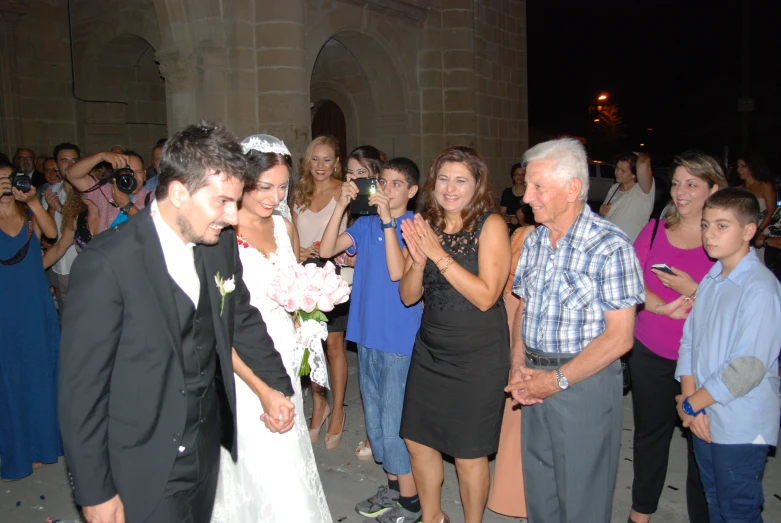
<point x="674" y="241"/>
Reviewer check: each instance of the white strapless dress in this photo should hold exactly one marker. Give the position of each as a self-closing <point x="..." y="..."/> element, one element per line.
<point x="275" y="478"/>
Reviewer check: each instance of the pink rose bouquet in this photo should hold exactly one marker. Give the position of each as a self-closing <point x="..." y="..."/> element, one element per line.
<point x="307" y="291"/>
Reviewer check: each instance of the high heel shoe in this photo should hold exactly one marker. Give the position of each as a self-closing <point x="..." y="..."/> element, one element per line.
<point x="333" y="441"/>
<point x="314" y="434"/>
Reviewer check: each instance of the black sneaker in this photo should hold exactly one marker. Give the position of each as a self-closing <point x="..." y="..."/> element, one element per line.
<point x="381" y="502"/>
<point x="398" y="514"/>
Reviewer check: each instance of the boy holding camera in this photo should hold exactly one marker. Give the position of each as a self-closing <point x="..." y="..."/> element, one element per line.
<point x="728" y="363"/>
<point x="382" y="327"/>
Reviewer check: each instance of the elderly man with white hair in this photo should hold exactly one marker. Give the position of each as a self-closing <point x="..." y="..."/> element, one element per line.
<point x="579" y="281"/>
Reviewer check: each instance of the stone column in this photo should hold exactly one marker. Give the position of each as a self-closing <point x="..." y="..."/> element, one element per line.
<point x="282" y="83"/>
<point x="10" y="117"/>
<point x="180" y="82"/>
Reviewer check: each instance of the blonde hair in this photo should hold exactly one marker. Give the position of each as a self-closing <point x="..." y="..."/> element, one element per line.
<point x="305" y="188"/>
<point x="701" y="165"/>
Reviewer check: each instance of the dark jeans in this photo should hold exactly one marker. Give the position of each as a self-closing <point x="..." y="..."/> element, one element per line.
<point x="732" y="476"/>
<point x="654" y="388"/>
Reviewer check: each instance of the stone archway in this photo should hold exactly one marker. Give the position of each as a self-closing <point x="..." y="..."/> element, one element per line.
<point x="125" y="101"/>
<point x="353" y="70"/>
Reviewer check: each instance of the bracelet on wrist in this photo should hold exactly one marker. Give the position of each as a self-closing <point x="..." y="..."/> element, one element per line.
<point x="442" y="258"/>
<point x="447" y="266"/>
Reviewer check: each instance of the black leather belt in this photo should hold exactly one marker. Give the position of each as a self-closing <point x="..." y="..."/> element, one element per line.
<point x="546" y="359"/>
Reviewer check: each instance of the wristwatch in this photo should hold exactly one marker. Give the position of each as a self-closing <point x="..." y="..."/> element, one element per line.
<point x="562" y="380"/>
<point x="687" y="408"/>
<point x="126" y="208"/>
<point x="390" y="225"/>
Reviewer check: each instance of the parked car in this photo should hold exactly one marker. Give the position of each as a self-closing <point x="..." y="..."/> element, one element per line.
<point x="601" y="176"/>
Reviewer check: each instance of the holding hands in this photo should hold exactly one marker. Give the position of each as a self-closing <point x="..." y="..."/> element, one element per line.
<point x="699" y="424"/>
<point x="529" y="386"/>
<point x="278" y="411"/>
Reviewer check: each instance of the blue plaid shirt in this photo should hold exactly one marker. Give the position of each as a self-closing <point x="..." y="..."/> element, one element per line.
<point x="593" y="269"/>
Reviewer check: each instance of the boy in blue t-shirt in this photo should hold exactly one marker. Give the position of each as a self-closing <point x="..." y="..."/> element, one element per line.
<point x="728" y="361"/>
<point x="383" y="328"/>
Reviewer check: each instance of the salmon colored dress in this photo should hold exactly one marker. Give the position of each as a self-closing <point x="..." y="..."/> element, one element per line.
<point x="507" y="495"/>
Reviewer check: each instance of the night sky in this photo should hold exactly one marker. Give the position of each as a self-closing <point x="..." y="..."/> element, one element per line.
<point x="672" y="66"/>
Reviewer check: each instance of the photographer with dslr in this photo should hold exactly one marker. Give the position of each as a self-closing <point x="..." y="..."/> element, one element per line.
<point x="117" y="197"/>
<point x="29" y="332"/>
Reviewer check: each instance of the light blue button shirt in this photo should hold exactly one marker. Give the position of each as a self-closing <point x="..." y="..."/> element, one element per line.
<point x="734" y="317"/>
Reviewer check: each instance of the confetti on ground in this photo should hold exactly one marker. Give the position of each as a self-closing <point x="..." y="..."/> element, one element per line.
<point x="627" y="459"/>
<point x="18" y="503"/>
<point x="342" y="518"/>
<point x="348" y="463"/>
<point x="776" y="496"/>
<point x="43" y="497"/>
<point x="671" y="487"/>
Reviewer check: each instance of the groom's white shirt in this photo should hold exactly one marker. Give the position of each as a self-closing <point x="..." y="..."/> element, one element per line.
<point x="179" y="259"/>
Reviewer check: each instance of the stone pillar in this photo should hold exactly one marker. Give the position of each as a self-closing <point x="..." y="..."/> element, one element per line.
<point x="10" y="117"/>
<point x="458" y="78"/>
<point x="180" y="81"/>
<point x="282" y="83"/>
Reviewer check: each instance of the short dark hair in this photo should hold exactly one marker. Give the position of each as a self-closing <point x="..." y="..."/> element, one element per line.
<point x="65" y="146"/>
<point x="632" y="159"/>
<point x="160" y="143"/>
<point x="190" y="155"/>
<point x="741" y="202"/>
<point x="5" y="163"/>
<point x="406" y="167"/>
<point x="258" y="163"/>
<point x="515" y="166"/>
<point x="20" y="149"/>
<point x="129" y="152"/>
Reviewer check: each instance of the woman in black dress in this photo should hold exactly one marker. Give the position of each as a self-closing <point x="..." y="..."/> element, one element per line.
<point x="459" y="260"/>
<point x="512" y="200"/>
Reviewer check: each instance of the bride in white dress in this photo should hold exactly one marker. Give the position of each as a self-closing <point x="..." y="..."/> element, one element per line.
<point x="275" y="478"/>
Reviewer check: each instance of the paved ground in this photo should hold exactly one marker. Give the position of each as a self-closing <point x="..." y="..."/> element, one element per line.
<point x="346" y="480"/>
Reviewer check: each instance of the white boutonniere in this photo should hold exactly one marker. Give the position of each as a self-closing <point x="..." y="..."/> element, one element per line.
<point x="226" y="287"/>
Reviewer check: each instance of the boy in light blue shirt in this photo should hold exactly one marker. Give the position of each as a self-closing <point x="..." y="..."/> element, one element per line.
<point x="728" y="361"/>
<point x="383" y="328"/>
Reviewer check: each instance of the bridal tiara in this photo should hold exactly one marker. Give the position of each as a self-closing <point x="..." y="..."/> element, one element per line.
<point x="264" y="143"/>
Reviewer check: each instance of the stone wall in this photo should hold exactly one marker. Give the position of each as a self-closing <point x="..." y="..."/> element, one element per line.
<point x="411" y="76"/>
<point x="40" y="47"/>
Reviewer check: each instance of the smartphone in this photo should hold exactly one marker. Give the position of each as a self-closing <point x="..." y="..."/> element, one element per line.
<point x="663" y="267"/>
<point x="366" y="187"/>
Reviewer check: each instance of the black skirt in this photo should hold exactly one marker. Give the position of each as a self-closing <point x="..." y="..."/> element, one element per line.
<point x="455" y="396"/>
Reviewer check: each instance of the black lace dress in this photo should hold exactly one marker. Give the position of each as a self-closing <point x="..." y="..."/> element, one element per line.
<point x="455" y="388"/>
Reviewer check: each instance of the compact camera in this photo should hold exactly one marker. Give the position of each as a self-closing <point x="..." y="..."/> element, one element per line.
<point x="21" y="181"/>
<point x="366" y="187"/>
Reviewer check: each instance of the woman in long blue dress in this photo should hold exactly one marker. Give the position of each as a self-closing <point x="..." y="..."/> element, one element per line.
<point x="29" y="336"/>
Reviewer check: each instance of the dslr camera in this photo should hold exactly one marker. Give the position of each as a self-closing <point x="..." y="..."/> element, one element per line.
<point x="20" y="181"/>
<point x="125" y="177"/>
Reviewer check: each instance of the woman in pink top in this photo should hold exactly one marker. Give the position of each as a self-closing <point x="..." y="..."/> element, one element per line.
<point x="313" y="204"/>
<point x="677" y="243"/>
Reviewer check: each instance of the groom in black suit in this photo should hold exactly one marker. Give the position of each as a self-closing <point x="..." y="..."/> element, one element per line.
<point x="158" y="303"/>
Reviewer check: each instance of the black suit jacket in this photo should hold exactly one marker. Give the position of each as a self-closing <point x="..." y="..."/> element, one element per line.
<point x="37" y="178"/>
<point x="121" y="366"/>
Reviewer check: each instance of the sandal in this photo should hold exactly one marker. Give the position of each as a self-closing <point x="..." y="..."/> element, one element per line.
<point x="363" y="452"/>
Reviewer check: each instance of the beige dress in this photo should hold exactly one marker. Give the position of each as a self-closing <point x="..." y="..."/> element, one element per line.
<point x="507" y="495"/>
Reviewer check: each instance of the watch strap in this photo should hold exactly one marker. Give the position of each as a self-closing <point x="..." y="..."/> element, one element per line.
<point x="390" y="225"/>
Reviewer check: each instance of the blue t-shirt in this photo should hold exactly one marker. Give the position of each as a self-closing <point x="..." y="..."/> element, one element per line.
<point x="378" y="318"/>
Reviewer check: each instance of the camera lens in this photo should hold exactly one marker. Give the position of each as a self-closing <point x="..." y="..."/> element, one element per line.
<point x="126" y="182"/>
<point x="22" y="183"/>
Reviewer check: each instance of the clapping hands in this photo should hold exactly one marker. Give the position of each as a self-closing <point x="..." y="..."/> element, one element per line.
<point x="421" y="241"/>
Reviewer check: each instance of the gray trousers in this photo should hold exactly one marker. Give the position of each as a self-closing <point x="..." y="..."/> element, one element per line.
<point x="570" y="447"/>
